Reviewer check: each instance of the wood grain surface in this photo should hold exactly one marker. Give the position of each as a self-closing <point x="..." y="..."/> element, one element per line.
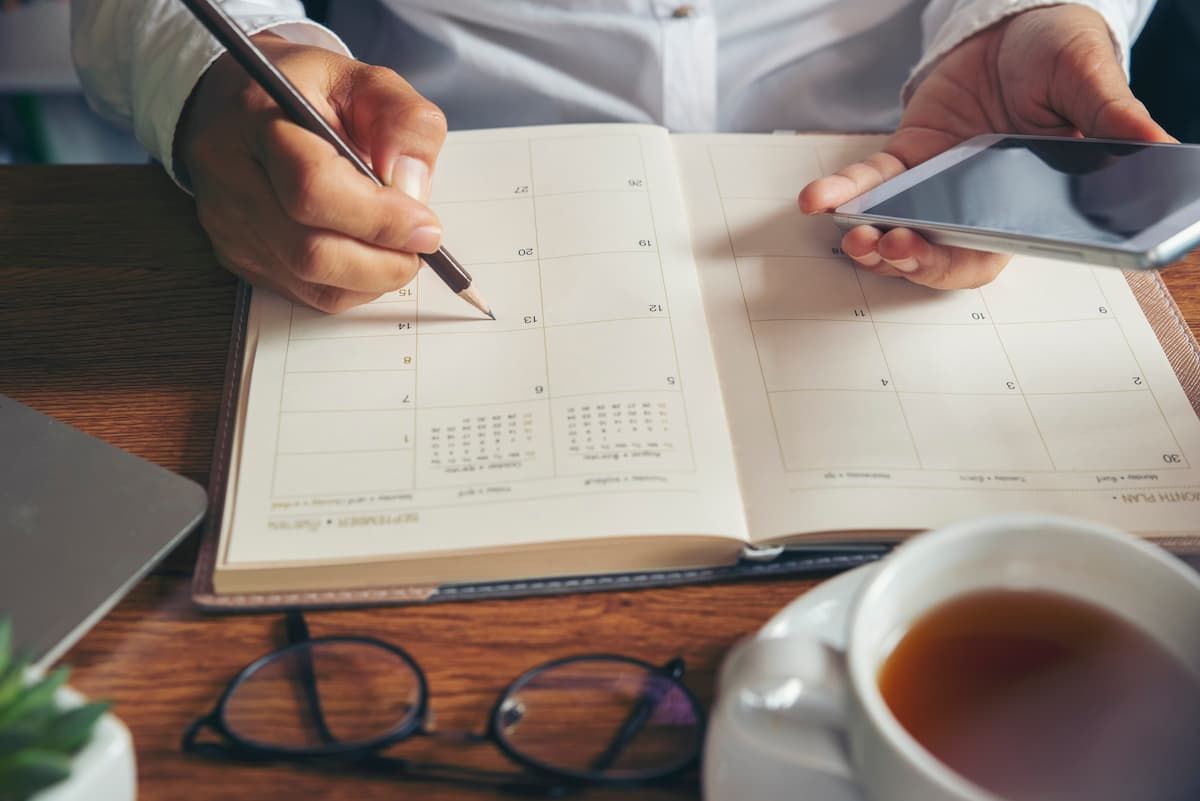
<point x="114" y="317"/>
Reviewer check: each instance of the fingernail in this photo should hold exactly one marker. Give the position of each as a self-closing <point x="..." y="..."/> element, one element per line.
<point x="410" y="176"/>
<point x="424" y="240"/>
<point x="904" y="265"/>
<point x="867" y="259"/>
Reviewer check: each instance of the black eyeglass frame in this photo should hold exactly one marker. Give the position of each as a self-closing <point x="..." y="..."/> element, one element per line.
<point x="416" y="722"/>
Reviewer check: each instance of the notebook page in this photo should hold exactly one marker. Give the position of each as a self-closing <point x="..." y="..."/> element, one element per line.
<point x="589" y="408"/>
<point x="865" y="403"/>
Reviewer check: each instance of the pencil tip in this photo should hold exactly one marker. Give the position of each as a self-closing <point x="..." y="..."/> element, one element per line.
<point x="475" y="299"/>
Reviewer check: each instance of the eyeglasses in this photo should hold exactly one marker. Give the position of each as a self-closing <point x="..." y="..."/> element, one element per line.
<point x="588" y="719"/>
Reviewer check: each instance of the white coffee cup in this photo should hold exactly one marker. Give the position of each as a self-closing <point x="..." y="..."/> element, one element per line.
<point x="799" y="720"/>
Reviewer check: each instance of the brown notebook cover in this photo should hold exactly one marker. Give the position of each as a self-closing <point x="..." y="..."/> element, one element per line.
<point x="1164" y="316"/>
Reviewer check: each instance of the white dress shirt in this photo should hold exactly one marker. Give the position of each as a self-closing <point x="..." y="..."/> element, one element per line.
<point x="703" y="65"/>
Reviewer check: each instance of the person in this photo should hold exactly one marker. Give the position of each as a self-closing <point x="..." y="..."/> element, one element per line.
<point x="284" y="211"/>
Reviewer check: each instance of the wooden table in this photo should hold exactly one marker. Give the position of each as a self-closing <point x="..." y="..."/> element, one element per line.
<point x="115" y="318"/>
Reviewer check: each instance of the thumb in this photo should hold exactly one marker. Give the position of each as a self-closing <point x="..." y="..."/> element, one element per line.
<point x="1097" y="100"/>
<point x="392" y="122"/>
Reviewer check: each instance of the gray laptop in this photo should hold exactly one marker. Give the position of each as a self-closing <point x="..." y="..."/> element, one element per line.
<point x="81" y="521"/>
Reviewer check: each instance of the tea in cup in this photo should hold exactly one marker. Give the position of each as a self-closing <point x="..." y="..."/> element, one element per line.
<point x="1021" y="657"/>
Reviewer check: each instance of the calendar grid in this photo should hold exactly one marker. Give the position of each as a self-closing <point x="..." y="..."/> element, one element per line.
<point x="928" y="346"/>
<point x="570" y="407"/>
<point x="415" y="455"/>
<point x="287" y="344"/>
<point x="625" y="319"/>
<point x="891" y="375"/>
<point x="1017" y="383"/>
<point x="745" y="305"/>
<point x="617" y="252"/>
<point x="408" y="423"/>
<point x="679" y="378"/>
<point x="1142" y="374"/>
<point x="548" y="194"/>
<point x="549" y="400"/>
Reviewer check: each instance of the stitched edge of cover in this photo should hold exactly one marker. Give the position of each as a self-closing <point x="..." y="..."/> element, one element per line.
<point x="816" y="565"/>
<point x="1183" y="353"/>
<point x="202" y="586"/>
<point x="1171" y="328"/>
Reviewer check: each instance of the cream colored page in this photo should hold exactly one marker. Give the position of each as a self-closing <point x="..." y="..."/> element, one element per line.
<point x="589" y="408"/>
<point x="859" y="402"/>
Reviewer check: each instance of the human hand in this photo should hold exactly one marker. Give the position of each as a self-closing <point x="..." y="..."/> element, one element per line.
<point x="1050" y="71"/>
<point x="282" y="208"/>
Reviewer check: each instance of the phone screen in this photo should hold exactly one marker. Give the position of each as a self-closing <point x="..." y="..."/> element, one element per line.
<point x="1077" y="190"/>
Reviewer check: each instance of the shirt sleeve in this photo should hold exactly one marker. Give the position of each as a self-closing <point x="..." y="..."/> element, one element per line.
<point x="138" y="60"/>
<point x="946" y="23"/>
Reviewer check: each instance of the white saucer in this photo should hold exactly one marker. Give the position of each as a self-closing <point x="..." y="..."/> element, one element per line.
<point x="745" y="759"/>
<point x="821" y="612"/>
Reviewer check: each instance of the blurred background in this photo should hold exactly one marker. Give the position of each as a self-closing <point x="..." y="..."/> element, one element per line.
<point x="43" y="116"/>
<point x="44" y="119"/>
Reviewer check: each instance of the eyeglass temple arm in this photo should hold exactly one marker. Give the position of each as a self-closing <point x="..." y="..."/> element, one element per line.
<point x="648" y="700"/>
<point x="190" y="744"/>
<point x="297" y="632"/>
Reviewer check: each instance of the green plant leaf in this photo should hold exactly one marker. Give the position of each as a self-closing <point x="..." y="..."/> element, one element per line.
<point x="23" y="774"/>
<point x="12" y="681"/>
<point x="41" y="716"/>
<point x="22" y="734"/>
<point x="5" y="643"/>
<point x="36" y="696"/>
<point x="72" y="728"/>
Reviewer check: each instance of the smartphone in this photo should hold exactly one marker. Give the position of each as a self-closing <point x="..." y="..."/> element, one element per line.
<point x="1127" y="204"/>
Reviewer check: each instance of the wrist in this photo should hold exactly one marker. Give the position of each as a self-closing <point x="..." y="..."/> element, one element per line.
<point x="224" y="87"/>
<point x="975" y="21"/>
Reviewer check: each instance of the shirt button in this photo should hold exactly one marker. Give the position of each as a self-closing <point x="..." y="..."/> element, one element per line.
<point x="683" y="11"/>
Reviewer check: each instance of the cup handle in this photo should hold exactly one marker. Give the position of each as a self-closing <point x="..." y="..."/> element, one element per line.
<point x="796" y="686"/>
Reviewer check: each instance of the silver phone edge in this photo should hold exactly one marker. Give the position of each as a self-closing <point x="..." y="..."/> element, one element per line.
<point x="1157" y="257"/>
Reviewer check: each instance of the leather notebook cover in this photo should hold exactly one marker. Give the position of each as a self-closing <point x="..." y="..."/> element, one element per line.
<point x="1164" y="316"/>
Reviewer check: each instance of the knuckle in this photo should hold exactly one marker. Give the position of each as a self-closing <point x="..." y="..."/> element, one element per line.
<point x="315" y="259"/>
<point x="302" y="195"/>
<point x="378" y="81"/>
<point x="331" y="299"/>
<point x="387" y="229"/>
<point x="428" y="117"/>
<point x="373" y="73"/>
<point x="401" y="270"/>
<point x="396" y="271"/>
<point x="404" y="106"/>
<point x="404" y="269"/>
<point x="941" y="276"/>
<point x="985" y="277"/>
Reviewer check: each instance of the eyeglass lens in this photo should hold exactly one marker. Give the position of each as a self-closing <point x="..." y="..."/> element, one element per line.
<point x="362" y="693"/>
<point x="601" y="717"/>
<point x="594" y="717"/>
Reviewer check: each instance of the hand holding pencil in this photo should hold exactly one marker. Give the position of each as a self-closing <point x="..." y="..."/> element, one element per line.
<point x="284" y="208"/>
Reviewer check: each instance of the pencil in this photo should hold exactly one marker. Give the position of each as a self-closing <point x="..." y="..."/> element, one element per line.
<point x="294" y="104"/>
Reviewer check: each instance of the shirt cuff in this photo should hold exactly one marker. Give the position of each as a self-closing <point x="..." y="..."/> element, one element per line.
<point x="188" y="57"/>
<point x="965" y="23"/>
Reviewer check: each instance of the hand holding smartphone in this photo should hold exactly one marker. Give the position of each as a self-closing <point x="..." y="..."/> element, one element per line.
<point x="1127" y="204"/>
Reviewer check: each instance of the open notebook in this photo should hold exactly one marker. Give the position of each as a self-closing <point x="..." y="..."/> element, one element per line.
<point x="683" y="374"/>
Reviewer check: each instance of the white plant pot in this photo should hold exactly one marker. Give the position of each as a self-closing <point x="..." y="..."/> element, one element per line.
<point x="104" y="769"/>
